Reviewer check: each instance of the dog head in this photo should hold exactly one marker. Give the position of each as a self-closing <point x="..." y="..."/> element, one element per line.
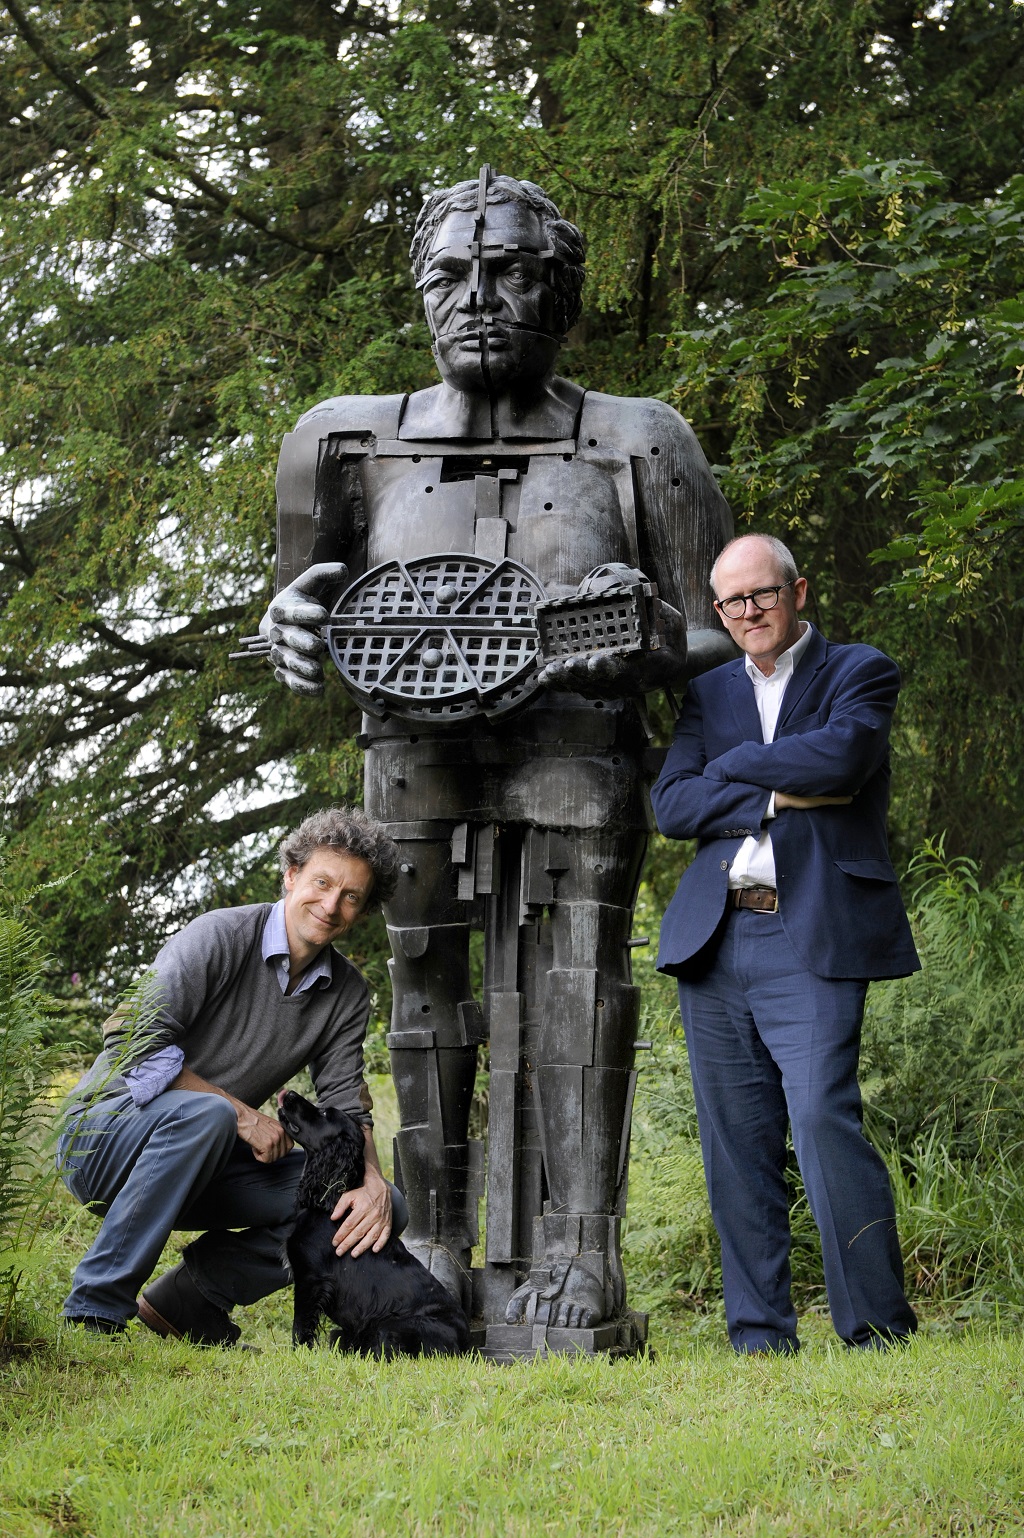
<point x="312" y="1127"/>
<point x="334" y="1146"/>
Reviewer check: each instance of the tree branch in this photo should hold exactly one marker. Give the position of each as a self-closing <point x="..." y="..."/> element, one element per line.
<point x="227" y="202"/>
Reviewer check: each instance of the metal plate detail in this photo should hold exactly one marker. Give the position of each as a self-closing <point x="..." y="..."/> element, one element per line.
<point x="440" y="637"/>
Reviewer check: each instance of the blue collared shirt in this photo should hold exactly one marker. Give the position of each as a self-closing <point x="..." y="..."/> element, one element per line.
<point x="275" y="949"/>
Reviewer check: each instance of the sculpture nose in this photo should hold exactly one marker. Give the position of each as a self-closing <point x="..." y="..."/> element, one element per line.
<point x="484" y="297"/>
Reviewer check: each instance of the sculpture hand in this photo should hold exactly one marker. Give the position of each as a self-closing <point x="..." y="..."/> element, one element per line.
<point x="597" y="675"/>
<point x="292" y="625"/>
<point x="610" y="675"/>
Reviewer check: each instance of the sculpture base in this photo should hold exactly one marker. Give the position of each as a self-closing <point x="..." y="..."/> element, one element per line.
<point x="626" y="1336"/>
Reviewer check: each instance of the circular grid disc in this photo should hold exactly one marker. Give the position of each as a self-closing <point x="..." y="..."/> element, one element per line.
<point x="439" y="637"/>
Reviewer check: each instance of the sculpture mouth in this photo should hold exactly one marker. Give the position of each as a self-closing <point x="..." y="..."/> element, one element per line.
<point x="473" y="338"/>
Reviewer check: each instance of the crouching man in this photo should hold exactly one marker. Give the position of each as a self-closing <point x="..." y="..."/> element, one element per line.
<point x="166" y="1136"/>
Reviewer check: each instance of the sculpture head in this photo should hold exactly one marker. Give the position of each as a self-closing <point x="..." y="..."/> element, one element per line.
<point x="501" y="273"/>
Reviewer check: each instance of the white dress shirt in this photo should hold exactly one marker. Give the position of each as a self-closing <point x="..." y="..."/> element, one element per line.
<point x="754" y="864"/>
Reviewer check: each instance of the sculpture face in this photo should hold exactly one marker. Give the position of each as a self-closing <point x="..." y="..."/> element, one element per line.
<point x="502" y="336"/>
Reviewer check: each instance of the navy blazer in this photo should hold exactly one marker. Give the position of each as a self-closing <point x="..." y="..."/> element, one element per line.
<point x="838" y="898"/>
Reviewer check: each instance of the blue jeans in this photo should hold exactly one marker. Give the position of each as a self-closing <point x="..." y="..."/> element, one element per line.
<point x="178" y="1162"/>
<point x="772" y="1045"/>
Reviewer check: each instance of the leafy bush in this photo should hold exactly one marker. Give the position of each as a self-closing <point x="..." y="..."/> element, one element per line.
<point x="29" y="1062"/>
<point x="943" y="1050"/>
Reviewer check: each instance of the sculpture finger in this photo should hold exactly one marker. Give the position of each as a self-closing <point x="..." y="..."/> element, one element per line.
<point x="309" y="642"/>
<point x="315" y="578"/>
<point x="294" y="663"/>
<point x="604" y="666"/>
<point x="306" y="687"/>
<point x="289" y="609"/>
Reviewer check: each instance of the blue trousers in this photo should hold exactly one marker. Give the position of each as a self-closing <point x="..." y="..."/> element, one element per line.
<point x="178" y="1163"/>
<point x="772" y="1045"/>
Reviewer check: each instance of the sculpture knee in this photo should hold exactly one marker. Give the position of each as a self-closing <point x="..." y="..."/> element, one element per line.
<point x="431" y="991"/>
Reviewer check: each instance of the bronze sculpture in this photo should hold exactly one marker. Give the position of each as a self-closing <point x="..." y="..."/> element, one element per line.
<point x="510" y="770"/>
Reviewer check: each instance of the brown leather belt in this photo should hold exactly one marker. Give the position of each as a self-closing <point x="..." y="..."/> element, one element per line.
<point x="763" y="899"/>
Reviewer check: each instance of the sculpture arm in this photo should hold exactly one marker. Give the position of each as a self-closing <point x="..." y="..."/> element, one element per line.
<point x="680" y="522"/>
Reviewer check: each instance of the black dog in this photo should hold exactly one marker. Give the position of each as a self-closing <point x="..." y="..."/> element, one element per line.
<point x="384" y="1305"/>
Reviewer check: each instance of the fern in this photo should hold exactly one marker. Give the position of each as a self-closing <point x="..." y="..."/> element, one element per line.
<point x="28" y="1066"/>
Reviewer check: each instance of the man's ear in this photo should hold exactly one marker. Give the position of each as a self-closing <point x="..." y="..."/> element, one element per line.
<point x="799" y="592"/>
<point x="290" y="876"/>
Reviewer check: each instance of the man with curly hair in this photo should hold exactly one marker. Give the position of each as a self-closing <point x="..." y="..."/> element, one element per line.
<point x="164" y="1133"/>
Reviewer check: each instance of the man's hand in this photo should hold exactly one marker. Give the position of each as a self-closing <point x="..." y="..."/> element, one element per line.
<point x="292" y="626"/>
<point x="264" y="1135"/>
<point x="367" y="1214"/>
<point x="806" y="803"/>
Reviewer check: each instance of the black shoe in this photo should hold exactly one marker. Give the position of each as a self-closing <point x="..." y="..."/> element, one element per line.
<point x="174" y="1306"/>
<point x="95" y="1324"/>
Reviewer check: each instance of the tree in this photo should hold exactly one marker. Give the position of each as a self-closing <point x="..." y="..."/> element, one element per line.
<point x="876" y="401"/>
<point x="206" y="214"/>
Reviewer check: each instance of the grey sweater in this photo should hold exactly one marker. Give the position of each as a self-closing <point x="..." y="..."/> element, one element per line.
<point x="218" y="1000"/>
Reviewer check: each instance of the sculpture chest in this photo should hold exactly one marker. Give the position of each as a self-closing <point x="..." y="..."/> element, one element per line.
<point x="557" y="510"/>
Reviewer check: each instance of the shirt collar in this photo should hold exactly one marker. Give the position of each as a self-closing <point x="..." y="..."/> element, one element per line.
<point x="275" y="949"/>
<point x="785" y="664"/>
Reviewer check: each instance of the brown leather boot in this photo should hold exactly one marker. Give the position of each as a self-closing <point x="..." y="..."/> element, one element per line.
<point x="173" y="1305"/>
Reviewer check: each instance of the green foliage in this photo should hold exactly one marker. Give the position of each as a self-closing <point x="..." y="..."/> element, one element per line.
<point x="206" y="215"/>
<point x="891" y="351"/>
<point x="873" y="397"/>
<point x="28" y="1066"/>
<point x="943" y="1050"/>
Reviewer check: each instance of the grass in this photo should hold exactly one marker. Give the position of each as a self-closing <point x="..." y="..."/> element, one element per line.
<point x="102" y="1437"/>
<point x="108" y="1437"/>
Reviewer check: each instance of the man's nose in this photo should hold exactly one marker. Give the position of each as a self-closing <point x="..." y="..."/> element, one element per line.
<point x="331" y="903"/>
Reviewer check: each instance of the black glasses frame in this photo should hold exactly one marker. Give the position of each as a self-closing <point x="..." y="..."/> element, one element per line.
<point x="728" y="605"/>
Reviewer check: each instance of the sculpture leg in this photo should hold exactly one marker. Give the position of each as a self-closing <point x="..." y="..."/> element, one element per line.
<point x="585" y="1080"/>
<point x="433" y="1058"/>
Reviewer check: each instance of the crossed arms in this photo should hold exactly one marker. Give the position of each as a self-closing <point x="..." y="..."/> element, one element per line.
<point x="698" y="797"/>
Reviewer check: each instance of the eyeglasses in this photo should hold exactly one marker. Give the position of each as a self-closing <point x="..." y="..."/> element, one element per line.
<point x="765" y="598"/>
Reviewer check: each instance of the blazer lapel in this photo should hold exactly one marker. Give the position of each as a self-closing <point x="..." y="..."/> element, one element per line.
<point x="744" y="706"/>
<point x="809" y="664"/>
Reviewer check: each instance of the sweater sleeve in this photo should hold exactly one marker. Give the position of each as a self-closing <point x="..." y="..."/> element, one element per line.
<point x="164" y="1005"/>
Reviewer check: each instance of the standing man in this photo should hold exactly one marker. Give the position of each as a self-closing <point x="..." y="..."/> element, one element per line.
<point x="779" y="766"/>
<point x="164" y="1133"/>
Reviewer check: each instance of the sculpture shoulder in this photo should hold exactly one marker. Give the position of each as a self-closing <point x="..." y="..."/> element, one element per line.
<point x="377" y="414"/>
<point x="637" y="425"/>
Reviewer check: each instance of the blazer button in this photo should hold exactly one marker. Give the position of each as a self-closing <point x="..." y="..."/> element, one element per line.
<point x="724" y="865"/>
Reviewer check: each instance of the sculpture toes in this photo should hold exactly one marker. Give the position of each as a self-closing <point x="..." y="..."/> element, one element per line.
<point x="518" y="1310"/>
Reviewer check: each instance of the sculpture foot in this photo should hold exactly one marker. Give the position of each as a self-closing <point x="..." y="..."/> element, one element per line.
<point x="451" y="1271"/>
<point x="561" y="1294"/>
